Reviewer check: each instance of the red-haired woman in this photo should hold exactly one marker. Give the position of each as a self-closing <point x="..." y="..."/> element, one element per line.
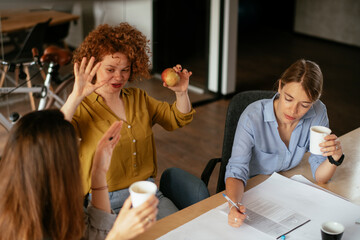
<point x="108" y="58"/>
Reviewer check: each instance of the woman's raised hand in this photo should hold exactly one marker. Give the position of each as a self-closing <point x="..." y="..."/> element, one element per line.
<point x="83" y="86"/>
<point x="134" y="221"/>
<point x="84" y="75"/>
<point x="184" y="74"/>
<point x="105" y="147"/>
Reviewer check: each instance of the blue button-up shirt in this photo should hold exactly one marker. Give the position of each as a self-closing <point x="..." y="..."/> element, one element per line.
<point x="258" y="148"/>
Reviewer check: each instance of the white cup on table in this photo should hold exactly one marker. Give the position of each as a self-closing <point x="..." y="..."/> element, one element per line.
<point x="141" y="191"/>
<point x="317" y="135"/>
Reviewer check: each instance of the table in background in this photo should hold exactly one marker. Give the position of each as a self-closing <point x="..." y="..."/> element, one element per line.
<point x="17" y="20"/>
<point x="345" y="182"/>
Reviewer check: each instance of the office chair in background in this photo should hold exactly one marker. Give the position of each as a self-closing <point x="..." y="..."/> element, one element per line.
<point x="55" y="35"/>
<point x="182" y="188"/>
<point x="185" y="189"/>
<point x="236" y="106"/>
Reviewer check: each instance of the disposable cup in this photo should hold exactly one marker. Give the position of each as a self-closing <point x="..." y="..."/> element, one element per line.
<point x="140" y="191"/>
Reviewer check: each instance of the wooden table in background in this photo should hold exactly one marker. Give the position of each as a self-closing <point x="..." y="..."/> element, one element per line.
<point x="16" y="20"/>
<point x="345" y="182"/>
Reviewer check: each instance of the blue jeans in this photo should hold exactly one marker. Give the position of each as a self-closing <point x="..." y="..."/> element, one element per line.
<point x="178" y="189"/>
<point x="117" y="199"/>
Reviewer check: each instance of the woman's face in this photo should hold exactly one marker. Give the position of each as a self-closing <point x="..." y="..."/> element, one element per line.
<point x="293" y="103"/>
<point x="115" y="69"/>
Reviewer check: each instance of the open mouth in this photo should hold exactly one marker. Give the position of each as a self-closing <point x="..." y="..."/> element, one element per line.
<point x="116" y="85"/>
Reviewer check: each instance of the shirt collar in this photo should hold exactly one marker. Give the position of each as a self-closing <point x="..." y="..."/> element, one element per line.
<point x="269" y="114"/>
<point x="94" y="97"/>
<point x="124" y="91"/>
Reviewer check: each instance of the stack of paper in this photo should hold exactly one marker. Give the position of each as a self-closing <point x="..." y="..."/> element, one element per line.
<point x="303" y="200"/>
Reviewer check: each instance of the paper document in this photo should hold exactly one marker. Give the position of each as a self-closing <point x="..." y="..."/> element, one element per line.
<point x="302" y="179"/>
<point x="273" y="219"/>
<point x="283" y="201"/>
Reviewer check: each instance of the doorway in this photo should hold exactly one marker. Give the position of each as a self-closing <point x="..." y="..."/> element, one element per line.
<point x="181" y="35"/>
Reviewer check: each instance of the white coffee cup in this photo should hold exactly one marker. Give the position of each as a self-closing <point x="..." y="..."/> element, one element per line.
<point x="140" y="191"/>
<point x="317" y="135"/>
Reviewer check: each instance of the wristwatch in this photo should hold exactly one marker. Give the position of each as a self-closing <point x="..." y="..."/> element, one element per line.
<point x="338" y="162"/>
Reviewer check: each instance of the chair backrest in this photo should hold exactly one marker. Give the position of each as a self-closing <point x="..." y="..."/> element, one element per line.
<point x="236" y="106"/>
<point x="56" y="34"/>
<point x="34" y="39"/>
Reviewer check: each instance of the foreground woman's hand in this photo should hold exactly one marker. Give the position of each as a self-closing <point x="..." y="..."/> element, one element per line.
<point x="100" y="166"/>
<point x="105" y="147"/>
<point x="134" y="221"/>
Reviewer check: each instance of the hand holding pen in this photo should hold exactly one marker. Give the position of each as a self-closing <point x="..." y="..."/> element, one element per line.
<point x="237" y="213"/>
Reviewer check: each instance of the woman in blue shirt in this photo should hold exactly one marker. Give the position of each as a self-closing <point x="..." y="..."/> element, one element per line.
<point x="273" y="134"/>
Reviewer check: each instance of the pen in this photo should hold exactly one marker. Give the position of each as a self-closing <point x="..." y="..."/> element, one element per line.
<point x="235" y="205"/>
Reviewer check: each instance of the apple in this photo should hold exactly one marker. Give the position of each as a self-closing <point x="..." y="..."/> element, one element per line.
<point x="170" y="77"/>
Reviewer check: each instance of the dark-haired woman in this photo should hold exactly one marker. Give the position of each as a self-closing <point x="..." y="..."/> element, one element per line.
<point x="273" y="134"/>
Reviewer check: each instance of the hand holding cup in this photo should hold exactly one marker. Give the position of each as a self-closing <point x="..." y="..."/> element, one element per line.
<point x="140" y="191"/>
<point x="317" y="136"/>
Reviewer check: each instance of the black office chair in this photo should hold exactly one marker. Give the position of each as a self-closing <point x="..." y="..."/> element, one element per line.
<point x="182" y="188"/>
<point x="55" y="35"/>
<point x="34" y="39"/>
<point x="236" y="106"/>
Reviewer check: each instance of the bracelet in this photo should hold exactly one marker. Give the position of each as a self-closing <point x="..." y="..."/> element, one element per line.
<point x="99" y="188"/>
<point x="338" y="162"/>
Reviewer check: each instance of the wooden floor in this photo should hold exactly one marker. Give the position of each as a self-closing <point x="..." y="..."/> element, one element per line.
<point x="191" y="147"/>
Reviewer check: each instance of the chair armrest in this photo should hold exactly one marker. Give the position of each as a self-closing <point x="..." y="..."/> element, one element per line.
<point x="205" y="176"/>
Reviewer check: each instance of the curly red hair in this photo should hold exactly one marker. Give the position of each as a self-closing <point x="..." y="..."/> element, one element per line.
<point x="123" y="38"/>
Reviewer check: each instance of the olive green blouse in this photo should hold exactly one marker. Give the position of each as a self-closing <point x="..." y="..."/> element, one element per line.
<point x="134" y="157"/>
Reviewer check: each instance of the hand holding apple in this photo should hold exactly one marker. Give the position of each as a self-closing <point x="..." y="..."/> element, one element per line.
<point x="170" y="77"/>
<point x="176" y="78"/>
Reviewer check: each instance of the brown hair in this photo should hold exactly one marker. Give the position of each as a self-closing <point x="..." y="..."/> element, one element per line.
<point x="40" y="180"/>
<point x="123" y="38"/>
<point x="308" y="74"/>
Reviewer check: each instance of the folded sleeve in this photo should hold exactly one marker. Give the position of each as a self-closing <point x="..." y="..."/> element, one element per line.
<point x="320" y="120"/>
<point x="238" y="165"/>
<point x="98" y="223"/>
<point x="167" y="115"/>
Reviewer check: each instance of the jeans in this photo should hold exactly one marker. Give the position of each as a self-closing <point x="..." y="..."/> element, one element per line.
<point x="178" y="189"/>
<point x="117" y="199"/>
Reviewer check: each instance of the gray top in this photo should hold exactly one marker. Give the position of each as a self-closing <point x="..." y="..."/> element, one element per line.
<point x="98" y="223"/>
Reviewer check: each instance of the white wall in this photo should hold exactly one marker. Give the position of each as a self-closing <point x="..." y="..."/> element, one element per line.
<point x="137" y="13"/>
<point x="329" y="19"/>
<point x="229" y="47"/>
